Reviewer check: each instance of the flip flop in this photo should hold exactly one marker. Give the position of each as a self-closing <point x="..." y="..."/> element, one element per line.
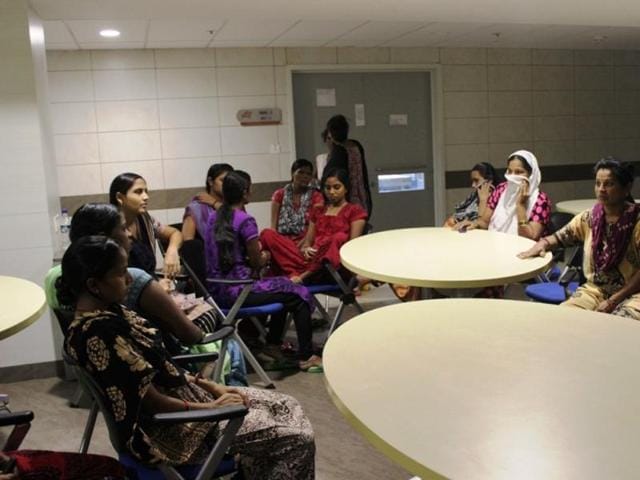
<point x="315" y="369"/>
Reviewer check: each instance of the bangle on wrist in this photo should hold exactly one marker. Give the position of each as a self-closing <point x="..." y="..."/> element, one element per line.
<point x="186" y="405"/>
<point x="547" y="244"/>
<point x="523" y="223"/>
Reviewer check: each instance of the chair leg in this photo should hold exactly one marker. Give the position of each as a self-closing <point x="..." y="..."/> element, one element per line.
<point x="217" y="371"/>
<point x="78" y="395"/>
<point x="336" y="319"/>
<point x="324" y="310"/>
<point x="219" y="449"/>
<point x="88" y="428"/>
<point x="268" y="383"/>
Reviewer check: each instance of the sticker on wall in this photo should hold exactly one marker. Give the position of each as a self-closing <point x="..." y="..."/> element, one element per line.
<point x="325" y="97"/>
<point x="360" y="121"/>
<point x="398" y="120"/>
<point x="259" y="116"/>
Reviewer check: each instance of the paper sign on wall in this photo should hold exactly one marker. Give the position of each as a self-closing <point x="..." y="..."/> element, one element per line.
<point x="359" y="114"/>
<point x="326" y="97"/>
<point x="398" y="119"/>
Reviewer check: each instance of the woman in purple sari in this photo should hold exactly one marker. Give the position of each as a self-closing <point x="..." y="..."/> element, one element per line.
<point x="197" y="212"/>
<point x="233" y="252"/>
<point x="610" y="233"/>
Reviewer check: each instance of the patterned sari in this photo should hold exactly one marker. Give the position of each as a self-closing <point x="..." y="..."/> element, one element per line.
<point x="125" y="355"/>
<point x="615" y="261"/>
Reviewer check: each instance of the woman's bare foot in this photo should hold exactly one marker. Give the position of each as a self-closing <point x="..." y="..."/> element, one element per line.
<point x="312" y="361"/>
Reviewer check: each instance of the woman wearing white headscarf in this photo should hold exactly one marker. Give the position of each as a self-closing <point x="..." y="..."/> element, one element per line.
<point x="516" y="206"/>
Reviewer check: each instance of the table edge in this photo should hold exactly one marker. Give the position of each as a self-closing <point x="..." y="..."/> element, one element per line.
<point x="378" y="443"/>
<point x="26" y="322"/>
<point x="448" y="283"/>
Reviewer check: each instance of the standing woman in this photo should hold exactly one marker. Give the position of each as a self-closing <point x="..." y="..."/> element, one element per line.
<point x="348" y="154"/>
<point x="517" y="206"/>
<point x="129" y="193"/>
<point x="610" y="234"/>
<point x="291" y="205"/>
<point x="198" y="211"/>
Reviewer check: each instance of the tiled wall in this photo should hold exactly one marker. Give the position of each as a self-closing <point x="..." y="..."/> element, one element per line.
<point x="26" y="243"/>
<point x="166" y="114"/>
<point x="568" y="107"/>
<point x="169" y="114"/>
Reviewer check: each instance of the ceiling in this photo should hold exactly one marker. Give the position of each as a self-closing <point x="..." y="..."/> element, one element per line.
<point x="74" y="24"/>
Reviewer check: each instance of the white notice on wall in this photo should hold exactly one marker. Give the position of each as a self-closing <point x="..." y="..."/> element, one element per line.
<point x="326" y="97"/>
<point x="398" y="119"/>
<point x="360" y="121"/>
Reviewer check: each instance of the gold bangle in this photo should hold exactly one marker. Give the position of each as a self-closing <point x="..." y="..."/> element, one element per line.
<point x="523" y="223"/>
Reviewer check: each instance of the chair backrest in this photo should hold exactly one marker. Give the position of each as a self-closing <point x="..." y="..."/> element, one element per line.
<point x="192" y="255"/>
<point x="558" y="220"/>
<point x="94" y="391"/>
<point x="64" y="317"/>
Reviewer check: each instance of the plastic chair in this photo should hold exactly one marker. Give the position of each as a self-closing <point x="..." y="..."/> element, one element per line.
<point x="21" y="422"/>
<point x="65" y="317"/>
<point x="550" y="292"/>
<point x="557" y="220"/>
<point x="340" y="290"/>
<point x="212" y="467"/>
<point x="192" y="253"/>
<point x="557" y="292"/>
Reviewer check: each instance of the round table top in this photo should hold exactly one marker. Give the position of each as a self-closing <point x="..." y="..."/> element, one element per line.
<point x="442" y="258"/>
<point x="576" y="206"/>
<point x="496" y="389"/>
<point x="22" y="303"/>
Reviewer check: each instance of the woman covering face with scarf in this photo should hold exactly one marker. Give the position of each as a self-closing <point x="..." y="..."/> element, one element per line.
<point x="516" y="206"/>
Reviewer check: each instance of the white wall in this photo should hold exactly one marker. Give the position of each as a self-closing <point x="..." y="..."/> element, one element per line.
<point x="165" y="114"/>
<point x="28" y="199"/>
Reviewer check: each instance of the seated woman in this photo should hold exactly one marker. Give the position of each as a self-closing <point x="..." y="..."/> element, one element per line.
<point x="516" y="206"/>
<point x="187" y="323"/>
<point x="483" y="178"/>
<point x="198" y="211"/>
<point x="128" y="192"/>
<point x="610" y="234"/>
<point x="232" y="251"/>
<point x="144" y="293"/>
<point x="330" y="227"/>
<point x="290" y="205"/>
<point x="124" y="354"/>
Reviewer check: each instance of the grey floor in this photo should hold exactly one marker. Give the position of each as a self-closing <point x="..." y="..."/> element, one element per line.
<point x="341" y="452"/>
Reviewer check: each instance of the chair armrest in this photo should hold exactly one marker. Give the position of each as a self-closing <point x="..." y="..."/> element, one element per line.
<point x="209" y="415"/>
<point x="195" y="357"/>
<point x="225" y="281"/>
<point x="222" y="332"/>
<point x="15" y="418"/>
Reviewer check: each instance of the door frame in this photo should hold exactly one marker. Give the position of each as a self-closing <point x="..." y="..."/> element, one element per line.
<point x="437" y="116"/>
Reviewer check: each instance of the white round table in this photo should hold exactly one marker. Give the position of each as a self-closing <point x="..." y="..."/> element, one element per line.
<point x="575" y="206"/>
<point x="21" y="303"/>
<point x="492" y="389"/>
<point x="442" y="258"/>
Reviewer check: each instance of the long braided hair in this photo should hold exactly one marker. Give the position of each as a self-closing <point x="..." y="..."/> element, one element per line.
<point x="234" y="187"/>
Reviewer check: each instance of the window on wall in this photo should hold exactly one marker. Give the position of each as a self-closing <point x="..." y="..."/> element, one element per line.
<point x="401" y="182"/>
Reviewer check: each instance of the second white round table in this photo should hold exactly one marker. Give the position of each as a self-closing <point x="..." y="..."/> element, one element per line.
<point x="442" y="258"/>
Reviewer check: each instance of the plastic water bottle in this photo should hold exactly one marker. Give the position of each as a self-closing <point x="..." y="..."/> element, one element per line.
<point x="62" y="223"/>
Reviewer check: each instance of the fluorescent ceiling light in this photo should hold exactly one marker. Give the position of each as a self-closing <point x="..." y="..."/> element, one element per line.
<point x="109" y="33"/>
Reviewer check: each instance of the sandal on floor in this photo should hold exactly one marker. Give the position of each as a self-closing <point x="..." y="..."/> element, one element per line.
<point x="313" y="361"/>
